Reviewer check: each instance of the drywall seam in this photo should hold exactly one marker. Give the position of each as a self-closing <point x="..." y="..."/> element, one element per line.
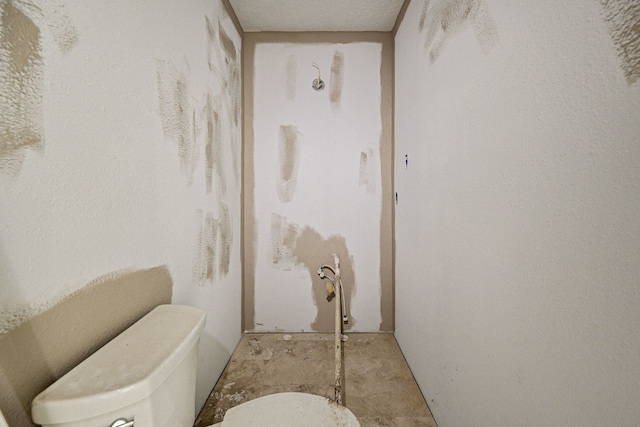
<point x="249" y="232"/>
<point x="387" y="264"/>
<point x="234" y="17"/>
<point x="400" y="18"/>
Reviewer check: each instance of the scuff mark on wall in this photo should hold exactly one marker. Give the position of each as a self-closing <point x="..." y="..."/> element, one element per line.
<point x="177" y="115"/>
<point x="368" y="170"/>
<point x="623" y="20"/>
<point x="288" y="162"/>
<point x="291" y="77"/>
<point x="292" y="246"/>
<point x="283" y="243"/>
<point x="213" y="251"/>
<point x="21" y="80"/>
<point x="337" y="80"/>
<point x="450" y="17"/>
<point x="224" y="63"/>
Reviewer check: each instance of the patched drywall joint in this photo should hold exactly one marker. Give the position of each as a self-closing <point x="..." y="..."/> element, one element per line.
<point x="445" y="19"/>
<point x="289" y="146"/>
<point x="623" y="20"/>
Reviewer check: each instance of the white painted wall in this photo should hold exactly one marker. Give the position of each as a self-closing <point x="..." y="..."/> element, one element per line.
<point x="517" y="292"/>
<point x="328" y="197"/>
<point x="107" y="193"/>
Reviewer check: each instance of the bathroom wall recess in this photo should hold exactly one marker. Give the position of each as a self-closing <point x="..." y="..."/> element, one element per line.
<point x="318" y="179"/>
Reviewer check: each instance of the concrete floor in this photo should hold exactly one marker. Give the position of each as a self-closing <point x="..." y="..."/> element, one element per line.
<point x="378" y="385"/>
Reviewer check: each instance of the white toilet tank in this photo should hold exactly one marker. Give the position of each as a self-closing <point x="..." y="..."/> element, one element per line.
<point x="147" y="375"/>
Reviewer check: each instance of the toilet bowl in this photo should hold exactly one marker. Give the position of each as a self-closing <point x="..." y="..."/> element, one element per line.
<point x="144" y="377"/>
<point x="289" y="410"/>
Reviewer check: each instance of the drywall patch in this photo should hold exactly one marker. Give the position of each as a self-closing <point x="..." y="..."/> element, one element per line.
<point x="311" y="251"/>
<point x="450" y="17"/>
<point x="368" y="170"/>
<point x="21" y="74"/>
<point x="291" y="77"/>
<point x="214" y="161"/>
<point x="282" y="243"/>
<point x="292" y="247"/>
<point x="176" y="114"/>
<point x="213" y="251"/>
<point x="337" y="80"/>
<point x="53" y="15"/>
<point x="289" y="146"/>
<point x="21" y="82"/>
<point x="623" y="20"/>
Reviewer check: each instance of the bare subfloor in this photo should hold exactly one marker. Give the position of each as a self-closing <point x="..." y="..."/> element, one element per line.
<point x="378" y="385"/>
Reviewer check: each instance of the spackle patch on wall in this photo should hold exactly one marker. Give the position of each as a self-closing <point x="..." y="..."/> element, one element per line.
<point x="177" y="115"/>
<point x="312" y="250"/>
<point x="369" y="170"/>
<point x="292" y="246"/>
<point x="21" y="75"/>
<point x="447" y="18"/>
<point x="337" y="80"/>
<point x="214" y="166"/>
<point x="53" y="15"/>
<point x="213" y="251"/>
<point x="289" y="146"/>
<point x="21" y="80"/>
<point x="291" y="77"/>
<point x="282" y="243"/>
<point x="623" y="20"/>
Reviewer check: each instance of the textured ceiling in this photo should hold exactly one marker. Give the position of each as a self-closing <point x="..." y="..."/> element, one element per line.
<point x="317" y="15"/>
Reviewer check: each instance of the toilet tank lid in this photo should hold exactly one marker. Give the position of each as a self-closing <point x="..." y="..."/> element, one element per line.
<point x="126" y="370"/>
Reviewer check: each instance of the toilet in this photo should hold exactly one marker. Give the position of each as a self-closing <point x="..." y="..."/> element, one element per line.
<point x="289" y="410"/>
<point x="145" y="377"/>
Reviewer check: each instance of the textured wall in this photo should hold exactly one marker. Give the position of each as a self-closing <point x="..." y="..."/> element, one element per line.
<point x="519" y="213"/>
<point x="319" y="181"/>
<point x="120" y="150"/>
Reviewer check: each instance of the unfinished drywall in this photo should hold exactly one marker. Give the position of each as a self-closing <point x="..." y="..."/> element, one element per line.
<point x="308" y="191"/>
<point x="120" y="150"/>
<point x="518" y="213"/>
